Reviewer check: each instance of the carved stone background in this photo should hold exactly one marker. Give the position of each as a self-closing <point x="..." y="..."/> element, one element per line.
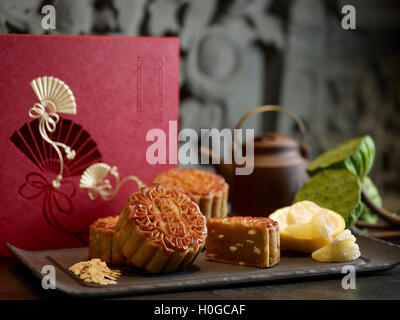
<point x="238" y="54"/>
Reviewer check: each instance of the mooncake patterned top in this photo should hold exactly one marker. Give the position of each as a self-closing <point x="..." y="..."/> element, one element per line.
<point x="193" y="181"/>
<point x="170" y="218"/>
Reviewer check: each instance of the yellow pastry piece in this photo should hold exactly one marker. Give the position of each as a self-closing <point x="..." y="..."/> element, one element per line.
<point x="306" y="227"/>
<point x="343" y="248"/>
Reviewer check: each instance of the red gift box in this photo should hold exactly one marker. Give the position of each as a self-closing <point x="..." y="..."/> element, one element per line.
<point x="123" y="87"/>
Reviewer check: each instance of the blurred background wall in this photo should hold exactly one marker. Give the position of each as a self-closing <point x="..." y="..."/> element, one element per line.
<point x="239" y="54"/>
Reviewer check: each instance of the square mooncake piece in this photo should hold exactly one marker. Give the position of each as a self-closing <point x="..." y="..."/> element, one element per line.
<point x="244" y="241"/>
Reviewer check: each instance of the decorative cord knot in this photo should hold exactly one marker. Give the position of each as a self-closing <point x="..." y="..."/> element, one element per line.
<point x="48" y="122"/>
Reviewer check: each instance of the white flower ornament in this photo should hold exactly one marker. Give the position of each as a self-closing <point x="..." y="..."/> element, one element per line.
<point x="94" y="179"/>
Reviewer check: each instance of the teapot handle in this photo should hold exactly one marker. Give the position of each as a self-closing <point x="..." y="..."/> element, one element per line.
<point x="300" y="123"/>
<point x="266" y="108"/>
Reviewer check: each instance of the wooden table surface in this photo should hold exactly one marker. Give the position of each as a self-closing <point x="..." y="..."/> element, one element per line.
<point x="17" y="282"/>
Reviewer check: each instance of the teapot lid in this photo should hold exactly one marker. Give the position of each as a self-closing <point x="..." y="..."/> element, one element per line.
<point x="279" y="149"/>
<point x="273" y="141"/>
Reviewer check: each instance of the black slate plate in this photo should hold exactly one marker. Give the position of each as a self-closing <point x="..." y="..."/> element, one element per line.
<point x="377" y="255"/>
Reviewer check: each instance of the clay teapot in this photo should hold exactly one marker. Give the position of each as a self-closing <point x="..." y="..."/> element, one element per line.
<point x="280" y="164"/>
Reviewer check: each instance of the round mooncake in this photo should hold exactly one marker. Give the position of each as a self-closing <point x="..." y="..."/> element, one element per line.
<point x="102" y="242"/>
<point x="161" y="229"/>
<point x="208" y="190"/>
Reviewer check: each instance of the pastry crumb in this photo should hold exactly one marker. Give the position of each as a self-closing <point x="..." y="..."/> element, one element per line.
<point x="95" y="271"/>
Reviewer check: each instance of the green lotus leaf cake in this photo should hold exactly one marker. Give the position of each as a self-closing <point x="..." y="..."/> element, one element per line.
<point x="356" y="155"/>
<point x="335" y="189"/>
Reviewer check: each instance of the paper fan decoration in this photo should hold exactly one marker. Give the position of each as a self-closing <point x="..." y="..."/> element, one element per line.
<point x="29" y="141"/>
<point x="55" y="97"/>
<point x="94" y="175"/>
<point x="94" y="179"/>
<point x="54" y="94"/>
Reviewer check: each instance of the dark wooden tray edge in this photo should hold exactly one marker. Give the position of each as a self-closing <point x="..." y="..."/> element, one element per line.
<point x="200" y="285"/>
